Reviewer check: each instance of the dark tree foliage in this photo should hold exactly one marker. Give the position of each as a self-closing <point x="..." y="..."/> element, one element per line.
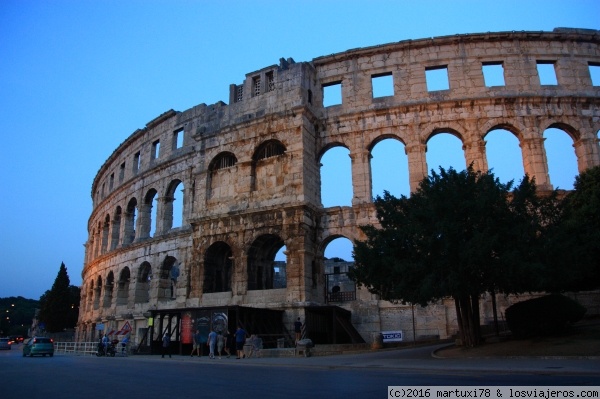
<point x="59" y="307"/>
<point x="572" y="252"/>
<point x="17" y="315"/>
<point x="461" y="234"/>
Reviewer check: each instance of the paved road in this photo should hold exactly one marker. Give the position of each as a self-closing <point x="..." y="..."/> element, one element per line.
<point x="364" y="375"/>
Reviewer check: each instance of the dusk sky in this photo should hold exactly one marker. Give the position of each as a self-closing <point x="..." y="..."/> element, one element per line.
<point x="78" y="77"/>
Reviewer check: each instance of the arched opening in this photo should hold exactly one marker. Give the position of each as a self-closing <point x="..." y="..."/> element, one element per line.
<point x="173" y="206"/>
<point x="218" y="264"/>
<point x="338" y="262"/>
<point x="562" y="160"/>
<point x="268" y="168"/>
<point x="108" y="290"/>
<point x="167" y="281"/>
<point x="105" y="230"/>
<point x="148" y="214"/>
<point x="336" y="177"/>
<point x="130" y="222"/>
<point x="389" y="168"/>
<point x="261" y="262"/>
<point x="142" y="288"/>
<point x="504" y="155"/>
<point x="123" y="286"/>
<point x="445" y="150"/>
<point x="280" y="268"/>
<point x="116" y="229"/>
<point x="221" y="176"/>
<point x="97" y="293"/>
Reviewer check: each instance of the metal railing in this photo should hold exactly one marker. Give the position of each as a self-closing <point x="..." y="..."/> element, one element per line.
<point x="84" y="348"/>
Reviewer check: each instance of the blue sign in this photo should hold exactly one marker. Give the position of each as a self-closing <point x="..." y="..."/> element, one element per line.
<point x="392" y="336"/>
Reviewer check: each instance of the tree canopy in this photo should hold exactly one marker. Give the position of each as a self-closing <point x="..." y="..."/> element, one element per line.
<point x="59" y="306"/>
<point x="574" y="239"/>
<point x="461" y="234"/>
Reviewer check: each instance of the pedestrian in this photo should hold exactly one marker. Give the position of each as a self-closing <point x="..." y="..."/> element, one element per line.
<point x="166" y="345"/>
<point x="212" y="341"/>
<point x="105" y="343"/>
<point x="197" y="344"/>
<point x="228" y="343"/>
<point x="124" y="343"/>
<point x="240" y="338"/>
<point x="220" y="342"/>
<point x="298" y="329"/>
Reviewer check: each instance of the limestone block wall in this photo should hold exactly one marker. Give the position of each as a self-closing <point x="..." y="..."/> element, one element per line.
<point x="246" y="175"/>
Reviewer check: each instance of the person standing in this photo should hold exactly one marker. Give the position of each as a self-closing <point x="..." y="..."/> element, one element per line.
<point x="212" y="341"/>
<point x="220" y="342"/>
<point x="105" y="343"/>
<point x="240" y="338"/>
<point x="197" y="344"/>
<point x="298" y="329"/>
<point x="166" y="344"/>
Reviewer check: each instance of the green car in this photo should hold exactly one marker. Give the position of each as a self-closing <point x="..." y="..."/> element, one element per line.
<point x="39" y="346"/>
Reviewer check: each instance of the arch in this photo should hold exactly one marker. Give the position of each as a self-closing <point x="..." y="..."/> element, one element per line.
<point x="261" y="261"/>
<point x="105" y="230"/>
<point x="173" y="205"/>
<point x="336" y="176"/>
<point x="221" y="181"/>
<point x="389" y="167"/>
<point x="223" y="160"/>
<point x="90" y="295"/>
<point x="108" y="290"/>
<point x="97" y="293"/>
<point x="123" y="286"/>
<point x="130" y="221"/>
<point x="562" y="162"/>
<point x="142" y="287"/>
<point x="443" y="150"/>
<point x="337" y="263"/>
<point x="504" y="155"/>
<point x="218" y="265"/>
<point x="166" y="283"/>
<point x="116" y="229"/>
<point x="268" y="167"/>
<point x="268" y="149"/>
<point x="148" y="214"/>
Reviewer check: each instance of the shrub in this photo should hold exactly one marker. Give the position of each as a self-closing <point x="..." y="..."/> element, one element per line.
<point x="547" y="315"/>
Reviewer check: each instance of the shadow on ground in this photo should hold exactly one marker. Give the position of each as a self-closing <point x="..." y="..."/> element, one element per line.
<point x="582" y="339"/>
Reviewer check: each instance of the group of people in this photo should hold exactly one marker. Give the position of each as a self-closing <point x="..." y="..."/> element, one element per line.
<point x="219" y="342"/>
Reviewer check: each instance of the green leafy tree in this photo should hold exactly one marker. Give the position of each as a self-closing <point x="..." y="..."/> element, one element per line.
<point x="572" y="252"/>
<point x="461" y="234"/>
<point x="59" y="307"/>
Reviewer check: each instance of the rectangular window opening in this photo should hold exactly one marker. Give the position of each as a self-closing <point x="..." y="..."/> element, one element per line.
<point x="155" y="149"/>
<point x="239" y="93"/>
<point x="437" y="78"/>
<point x="270" y="81"/>
<point x="111" y="182"/>
<point x="382" y="85"/>
<point x="332" y="94"/>
<point x="595" y="73"/>
<point x="178" y="139"/>
<point x="122" y="172"/>
<point x="547" y="73"/>
<point x="256" y="86"/>
<point x="136" y="162"/>
<point x="493" y="74"/>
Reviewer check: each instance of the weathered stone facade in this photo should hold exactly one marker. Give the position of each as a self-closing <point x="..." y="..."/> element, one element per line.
<point x="250" y="175"/>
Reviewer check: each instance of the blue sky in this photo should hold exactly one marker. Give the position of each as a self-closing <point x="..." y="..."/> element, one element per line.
<point x="78" y="77"/>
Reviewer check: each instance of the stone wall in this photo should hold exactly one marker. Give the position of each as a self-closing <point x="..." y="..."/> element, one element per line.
<point x="249" y="172"/>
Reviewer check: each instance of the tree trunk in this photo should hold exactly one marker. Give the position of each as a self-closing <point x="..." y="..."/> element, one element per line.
<point x="467" y="315"/>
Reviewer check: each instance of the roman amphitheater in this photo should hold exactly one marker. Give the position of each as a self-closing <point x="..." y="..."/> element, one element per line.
<point x="190" y="211"/>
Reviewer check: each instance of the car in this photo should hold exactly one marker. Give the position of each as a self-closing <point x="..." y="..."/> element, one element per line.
<point x="39" y="346"/>
<point x="5" y="343"/>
